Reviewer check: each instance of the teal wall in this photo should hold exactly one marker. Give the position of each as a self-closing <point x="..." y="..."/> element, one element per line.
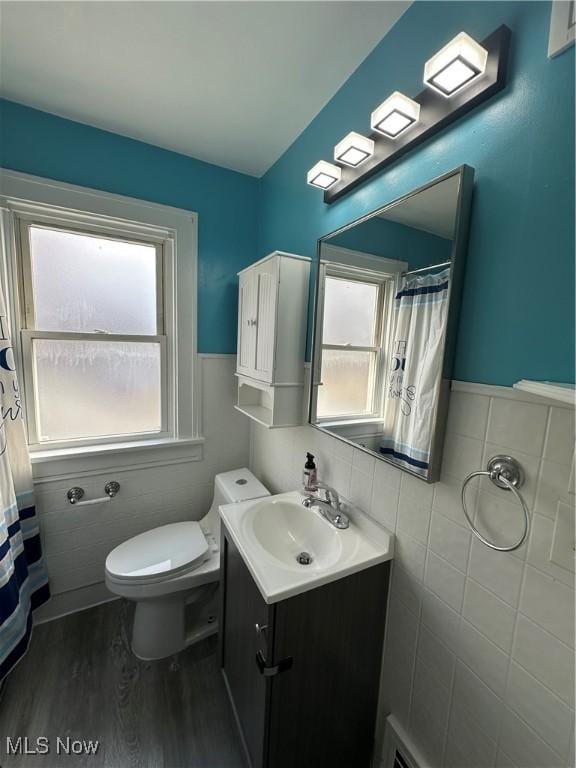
<point x="41" y="144"/>
<point x="517" y="318"/>
<point x="518" y="309"/>
<point x="391" y="240"/>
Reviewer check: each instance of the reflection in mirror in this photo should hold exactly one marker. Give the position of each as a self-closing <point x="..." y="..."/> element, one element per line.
<point x="386" y="310"/>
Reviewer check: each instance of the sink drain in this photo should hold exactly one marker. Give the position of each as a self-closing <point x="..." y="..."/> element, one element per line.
<point x="304" y="558"/>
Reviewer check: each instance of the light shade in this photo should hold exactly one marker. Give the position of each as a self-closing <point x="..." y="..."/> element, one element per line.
<point x="353" y="149"/>
<point x="395" y="115"/>
<point x="323" y="175"/>
<point x="456" y="65"/>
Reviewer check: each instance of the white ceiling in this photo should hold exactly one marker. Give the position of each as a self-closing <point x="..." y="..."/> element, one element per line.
<point x="232" y="83"/>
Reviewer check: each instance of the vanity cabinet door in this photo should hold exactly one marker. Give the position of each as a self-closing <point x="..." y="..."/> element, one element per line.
<point x="242" y="609"/>
<point x="323" y="709"/>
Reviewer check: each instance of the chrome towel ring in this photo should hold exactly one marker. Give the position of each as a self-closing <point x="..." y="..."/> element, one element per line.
<point x="506" y="473"/>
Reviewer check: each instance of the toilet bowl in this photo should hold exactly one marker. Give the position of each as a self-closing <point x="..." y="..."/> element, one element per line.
<point x="172" y="573"/>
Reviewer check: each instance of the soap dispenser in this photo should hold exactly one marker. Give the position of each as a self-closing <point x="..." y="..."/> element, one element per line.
<point x="309" y="476"/>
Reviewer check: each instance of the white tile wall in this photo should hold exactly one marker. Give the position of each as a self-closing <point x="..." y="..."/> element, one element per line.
<point x="466" y="744"/>
<point x="479" y="660"/>
<point x="77" y="539"/>
<point x="450" y="541"/>
<point x="446" y="582"/>
<point x="489" y="615"/>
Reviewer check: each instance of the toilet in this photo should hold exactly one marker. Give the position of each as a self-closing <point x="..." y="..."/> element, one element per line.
<point x="172" y="573"/>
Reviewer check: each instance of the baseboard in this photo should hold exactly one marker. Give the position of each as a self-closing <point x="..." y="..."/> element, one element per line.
<point x="73" y="601"/>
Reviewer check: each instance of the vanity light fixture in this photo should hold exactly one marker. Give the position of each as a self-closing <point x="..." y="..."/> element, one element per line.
<point x="353" y="149"/>
<point x="454" y="67"/>
<point x="395" y="115"/>
<point x="323" y="175"/>
<point x="458" y="78"/>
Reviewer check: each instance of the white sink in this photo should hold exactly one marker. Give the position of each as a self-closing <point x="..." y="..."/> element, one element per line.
<point x="270" y="534"/>
<point x="285" y="529"/>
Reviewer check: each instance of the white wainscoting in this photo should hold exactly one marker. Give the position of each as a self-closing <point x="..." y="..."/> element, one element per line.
<point x="77" y="539"/>
<point x="479" y="659"/>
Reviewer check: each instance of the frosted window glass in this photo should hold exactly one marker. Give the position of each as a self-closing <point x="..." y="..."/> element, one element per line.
<point x="346" y="377"/>
<point x="87" y="283"/>
<point x="349" y="312"/>
<point x="96" y="388"/>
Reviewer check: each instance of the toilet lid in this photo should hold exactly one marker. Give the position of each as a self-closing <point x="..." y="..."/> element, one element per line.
<point x="159" y="552"/>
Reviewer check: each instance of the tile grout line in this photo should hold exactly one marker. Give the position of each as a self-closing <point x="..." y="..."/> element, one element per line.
<point x="517" y="610"/>
<point x="467" y="576"/>
<point x="419" y="625"/>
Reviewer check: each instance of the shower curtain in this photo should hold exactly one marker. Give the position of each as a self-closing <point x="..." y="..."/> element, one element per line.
<point x="23" y="578"/>
<point x="415" y="373"/>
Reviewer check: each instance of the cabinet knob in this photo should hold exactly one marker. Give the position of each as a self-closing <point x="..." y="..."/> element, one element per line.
<point x="260" y="628"/>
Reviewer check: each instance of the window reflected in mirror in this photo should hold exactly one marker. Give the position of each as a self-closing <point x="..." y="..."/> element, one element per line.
<point x="351" y="345"/>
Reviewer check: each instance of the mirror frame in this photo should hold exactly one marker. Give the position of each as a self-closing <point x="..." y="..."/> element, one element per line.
<point x="457" y="258"/>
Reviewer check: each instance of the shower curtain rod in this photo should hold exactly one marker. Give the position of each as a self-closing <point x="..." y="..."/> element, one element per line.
<point x="424" y="269"/>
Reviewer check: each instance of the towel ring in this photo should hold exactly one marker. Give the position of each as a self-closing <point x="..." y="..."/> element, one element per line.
<point x="506" y="473"/>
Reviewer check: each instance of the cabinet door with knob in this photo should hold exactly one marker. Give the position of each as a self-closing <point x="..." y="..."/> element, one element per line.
<point x="248" y="631"/>
<point x="247" y="313"/>
<point x="257" y="297"/>
<point x="303" y="674"/>
<point x="267" y="274"/>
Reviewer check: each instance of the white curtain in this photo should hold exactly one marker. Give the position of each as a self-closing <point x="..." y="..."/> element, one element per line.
<point x="23" y="578"/>
<point x="414" y="376"/>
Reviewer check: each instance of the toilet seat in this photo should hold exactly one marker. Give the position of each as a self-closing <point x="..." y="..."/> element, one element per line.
<point x="160" y="554"/>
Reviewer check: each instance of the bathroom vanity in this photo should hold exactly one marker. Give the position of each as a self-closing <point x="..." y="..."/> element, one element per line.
<point x="301" y="645"/>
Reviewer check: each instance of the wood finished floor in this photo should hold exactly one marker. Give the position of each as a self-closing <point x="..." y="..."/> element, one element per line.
<point x="80" y="679"/>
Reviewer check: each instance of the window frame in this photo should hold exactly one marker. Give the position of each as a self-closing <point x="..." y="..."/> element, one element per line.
<point x="385" y="283"/>
<point x="29" y="332"/>
<point x="25" y="198"/>
<point x="28" y="221"/>
<point x="30" y="391"/>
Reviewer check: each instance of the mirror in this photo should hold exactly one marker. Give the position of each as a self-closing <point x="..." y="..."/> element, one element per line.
<point x="387" y="296"/>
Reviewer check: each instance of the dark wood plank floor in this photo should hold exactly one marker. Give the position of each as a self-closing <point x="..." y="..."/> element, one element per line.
<point x="80" y="680"/>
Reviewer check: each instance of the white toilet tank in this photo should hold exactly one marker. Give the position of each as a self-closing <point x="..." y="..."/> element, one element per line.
<point x="230" y="487"/>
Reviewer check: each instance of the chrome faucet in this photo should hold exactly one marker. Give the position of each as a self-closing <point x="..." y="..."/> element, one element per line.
<point x="329" y="508"/>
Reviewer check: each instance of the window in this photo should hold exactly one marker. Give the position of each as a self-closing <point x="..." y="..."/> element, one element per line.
<point x="93" y="342"/>
<point x="351" y="350"/>
<point x="100" y="288"/>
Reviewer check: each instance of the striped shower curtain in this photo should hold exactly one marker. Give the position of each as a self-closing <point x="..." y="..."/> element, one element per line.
<point x="23" y="578"/>
<point x="420" y="313"/>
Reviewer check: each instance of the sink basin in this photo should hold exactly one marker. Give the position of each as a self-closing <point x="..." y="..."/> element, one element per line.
<point x="284" y="530"/>
<point x="271" y="533"/>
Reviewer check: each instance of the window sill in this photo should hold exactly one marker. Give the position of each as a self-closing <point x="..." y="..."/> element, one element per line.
<point x="48" y="465"/>
<point x="327" y="423"/>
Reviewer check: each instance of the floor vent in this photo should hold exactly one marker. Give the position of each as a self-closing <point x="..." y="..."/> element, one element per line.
<point x="398" y="750"/>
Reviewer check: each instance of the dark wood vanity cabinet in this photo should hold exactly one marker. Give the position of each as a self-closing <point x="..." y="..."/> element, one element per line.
<point x="303" y="674"/>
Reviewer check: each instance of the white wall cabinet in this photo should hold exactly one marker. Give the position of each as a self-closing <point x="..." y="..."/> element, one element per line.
<point x="272" y="322"/>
